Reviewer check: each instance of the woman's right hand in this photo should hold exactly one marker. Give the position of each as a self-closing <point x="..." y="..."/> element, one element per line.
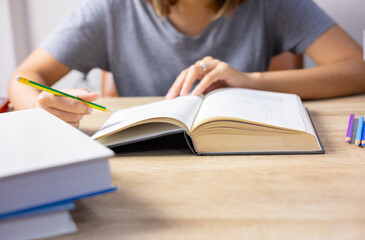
<point x="67" y="109"/>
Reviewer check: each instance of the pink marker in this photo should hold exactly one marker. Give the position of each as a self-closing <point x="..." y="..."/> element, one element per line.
<point x="350" y="128"/>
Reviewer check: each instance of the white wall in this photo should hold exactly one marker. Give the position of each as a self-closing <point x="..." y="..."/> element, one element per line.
<point x="349" y="14"/>
<point x="38" y="19"/>
<point x="22" y="33"/>
<point x="7" y="54"/>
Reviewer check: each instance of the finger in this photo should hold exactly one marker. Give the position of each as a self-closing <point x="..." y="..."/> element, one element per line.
<point x="207" y="58"/>
<point x="85" y="95"/>
<point x="207" y="81"/>
<point x="210" y="64"/>
<point x="216" y="85"/>
<point x="65" y="116"/>
<point x="64" y="103"/>
<point x="182" y="86"/>
<point x="176" y="86"/>
<point x="191" y="76"/>
<point x="197" y="72"/>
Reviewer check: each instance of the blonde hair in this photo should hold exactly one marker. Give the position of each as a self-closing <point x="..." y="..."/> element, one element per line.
<point x="220" y="7"/>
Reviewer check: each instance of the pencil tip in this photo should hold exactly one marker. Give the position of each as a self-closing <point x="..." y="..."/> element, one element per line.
<point x="17" y="78"/>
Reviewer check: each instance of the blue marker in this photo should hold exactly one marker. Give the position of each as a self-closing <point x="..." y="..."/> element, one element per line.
<point x="360" y="126"/>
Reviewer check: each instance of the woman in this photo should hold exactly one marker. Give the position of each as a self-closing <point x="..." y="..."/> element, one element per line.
<point x="146" y="44"/>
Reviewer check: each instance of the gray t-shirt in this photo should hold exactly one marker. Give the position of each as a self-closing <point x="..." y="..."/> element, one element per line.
<point x="145" y="54"/>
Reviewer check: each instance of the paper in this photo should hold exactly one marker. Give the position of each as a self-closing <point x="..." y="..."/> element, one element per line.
<point x="183" y="109"/>
<point x="275" y="109"/>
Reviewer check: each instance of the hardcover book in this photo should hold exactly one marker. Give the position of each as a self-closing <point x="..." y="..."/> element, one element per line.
<point x="45" y="161"/>
<point x="225" y="121"/>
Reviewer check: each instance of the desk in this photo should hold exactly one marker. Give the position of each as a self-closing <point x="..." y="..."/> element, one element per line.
<point x="173" y="194"/>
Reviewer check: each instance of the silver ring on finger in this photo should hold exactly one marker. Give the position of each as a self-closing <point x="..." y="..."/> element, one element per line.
<point x="201" y="63"/>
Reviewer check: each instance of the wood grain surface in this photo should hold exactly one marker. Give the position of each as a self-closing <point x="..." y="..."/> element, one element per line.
<point x="165" y="192"/>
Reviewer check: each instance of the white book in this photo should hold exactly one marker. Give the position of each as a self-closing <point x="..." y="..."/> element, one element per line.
<point x="38" y="223"/>
<point x="45" y="160"/>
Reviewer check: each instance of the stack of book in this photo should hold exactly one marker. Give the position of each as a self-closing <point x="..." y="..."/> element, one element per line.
<point x="45" y="165"/>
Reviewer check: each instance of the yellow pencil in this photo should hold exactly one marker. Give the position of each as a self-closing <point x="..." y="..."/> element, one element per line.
<point x="58" y="93"/>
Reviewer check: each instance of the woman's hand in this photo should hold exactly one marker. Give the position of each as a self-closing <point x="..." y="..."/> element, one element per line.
<point x="67" y="109"/>
<point x="213" y="74"/>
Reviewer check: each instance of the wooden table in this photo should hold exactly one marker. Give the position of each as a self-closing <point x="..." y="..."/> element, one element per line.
<point x="172" y="194"/>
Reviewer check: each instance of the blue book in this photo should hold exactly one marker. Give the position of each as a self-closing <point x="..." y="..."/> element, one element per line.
<point x="55" y="207"/>
<point x="52" y="206"/>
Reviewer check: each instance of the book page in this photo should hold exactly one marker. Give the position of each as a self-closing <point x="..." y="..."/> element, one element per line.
<point x="183" y="109"/>
<point x="270" y="108"/>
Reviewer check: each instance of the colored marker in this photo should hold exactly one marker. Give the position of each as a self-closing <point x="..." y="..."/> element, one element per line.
<point x="360" y="126"/>
<point x="350" y="128"/>
<point x="363" y="137"/>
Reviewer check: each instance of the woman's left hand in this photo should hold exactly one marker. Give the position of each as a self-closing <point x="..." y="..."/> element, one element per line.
<point x="213" y="74"/>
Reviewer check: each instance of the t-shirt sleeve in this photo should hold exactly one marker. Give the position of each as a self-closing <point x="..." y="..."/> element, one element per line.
<point x="80" y="41"/>
<point x="294" y="25"/>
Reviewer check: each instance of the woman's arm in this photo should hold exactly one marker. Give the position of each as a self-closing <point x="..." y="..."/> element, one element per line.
<point x="340" y="71"/>
<point x="41" y="67"/>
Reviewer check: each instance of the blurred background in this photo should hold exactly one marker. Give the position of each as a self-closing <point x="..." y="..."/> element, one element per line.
<point x="25" y="23"/>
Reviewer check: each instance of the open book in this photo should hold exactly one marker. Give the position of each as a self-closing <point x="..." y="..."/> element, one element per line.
<point x="225" y="121"/>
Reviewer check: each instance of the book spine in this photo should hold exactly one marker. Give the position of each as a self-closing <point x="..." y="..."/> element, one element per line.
<point x="190" y="143"/>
